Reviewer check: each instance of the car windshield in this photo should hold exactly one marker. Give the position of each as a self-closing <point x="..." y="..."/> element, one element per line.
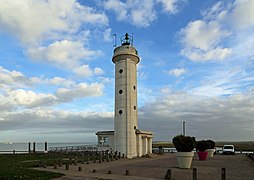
<point x="228" y="147"/>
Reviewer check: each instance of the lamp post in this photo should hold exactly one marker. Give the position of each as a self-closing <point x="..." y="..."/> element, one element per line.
<point x="184" y="128"/>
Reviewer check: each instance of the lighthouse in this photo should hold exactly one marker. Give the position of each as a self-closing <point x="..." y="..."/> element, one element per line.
<point x="126" y="114"/>
<point x="126" y="137"/>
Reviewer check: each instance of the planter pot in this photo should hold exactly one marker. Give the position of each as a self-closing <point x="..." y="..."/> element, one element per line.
<point x="202" y="155"/>
<point x="184" y="159"/>
<point x="210" y="152"/>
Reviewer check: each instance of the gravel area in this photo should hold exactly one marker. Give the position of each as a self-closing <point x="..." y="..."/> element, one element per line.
<point x="237" y="167"/>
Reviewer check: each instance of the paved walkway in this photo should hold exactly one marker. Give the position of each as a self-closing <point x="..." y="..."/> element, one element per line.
<point x="237" y="167"/>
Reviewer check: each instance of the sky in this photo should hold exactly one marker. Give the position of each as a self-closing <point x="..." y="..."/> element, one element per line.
<point x="57" y="74"/>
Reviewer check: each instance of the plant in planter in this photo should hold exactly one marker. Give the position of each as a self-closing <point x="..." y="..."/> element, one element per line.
<point x="184" y="146"/>
<point x="210" y="149"/>
<point x="201" y="147"/>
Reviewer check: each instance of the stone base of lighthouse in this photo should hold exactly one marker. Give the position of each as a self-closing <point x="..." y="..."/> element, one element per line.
<point x="143" y="145"/>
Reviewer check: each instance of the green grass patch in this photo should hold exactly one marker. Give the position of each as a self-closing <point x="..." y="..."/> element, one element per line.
<point x="19" y="166"/>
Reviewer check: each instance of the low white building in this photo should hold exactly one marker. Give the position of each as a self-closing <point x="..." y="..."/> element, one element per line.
<point x="126" y="137"/>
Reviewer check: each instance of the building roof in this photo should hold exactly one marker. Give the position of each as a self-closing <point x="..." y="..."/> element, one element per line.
<point x="105" y="133"/>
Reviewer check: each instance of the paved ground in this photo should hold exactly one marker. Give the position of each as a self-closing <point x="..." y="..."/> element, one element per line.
<point x="237" y="167"/>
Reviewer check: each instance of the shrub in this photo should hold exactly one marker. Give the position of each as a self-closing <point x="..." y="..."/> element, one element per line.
<point x="184" y="143"/>
<point x="211" y="144"/>
<point x="202" y="145"/>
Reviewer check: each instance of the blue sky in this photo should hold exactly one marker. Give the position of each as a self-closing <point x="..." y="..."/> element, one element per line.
<point x="57" y="76"/>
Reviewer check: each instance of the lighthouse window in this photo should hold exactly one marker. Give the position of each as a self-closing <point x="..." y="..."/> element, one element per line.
<point x="120" y="91"/>
<point x="134" y="87"/>
<point x="120" y="71"/>
<point x="134" y="107"/>
<point x="120" y="112"/>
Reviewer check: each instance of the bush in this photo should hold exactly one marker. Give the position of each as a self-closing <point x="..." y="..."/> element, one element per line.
<point x="211" y="144"/>
<point x="184" y="143"/>
<point x="202" y="145"/>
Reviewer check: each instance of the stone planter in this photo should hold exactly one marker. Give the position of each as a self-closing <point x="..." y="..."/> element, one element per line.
<point x="184" y="159"/>
<point x="210" y="152"/>
<point x="202" y="155"/>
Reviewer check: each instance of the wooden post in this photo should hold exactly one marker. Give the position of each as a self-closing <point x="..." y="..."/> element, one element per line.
<point x="127" y="172"/>
<point x="194" y="174"/>
<point x="29" y="148"/>
<point x="223" y="173"/>
<point x="46" y="147"/>
<point x="80" y="168"/>
<point x="34" y="147"/>
<point x="67" y="166"/>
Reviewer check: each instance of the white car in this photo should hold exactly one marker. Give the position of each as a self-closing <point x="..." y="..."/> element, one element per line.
<point x="228" y="149"/>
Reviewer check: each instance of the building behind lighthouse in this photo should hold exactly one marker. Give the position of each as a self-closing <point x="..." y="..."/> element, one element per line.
<point x="126" y="137"/>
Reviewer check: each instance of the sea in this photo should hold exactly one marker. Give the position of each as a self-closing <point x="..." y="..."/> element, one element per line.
<point x="8" y="147"/>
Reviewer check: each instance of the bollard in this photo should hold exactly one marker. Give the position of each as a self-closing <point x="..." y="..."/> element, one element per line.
<point x="109" y="172"/>
<point x="66" y="166"/>
<point x="127" y="172"/>
<point x="168" y="174"/>
<point x="13" y="152"/>
<point x="79" y="168"/>
<point x="29" y="148"/>
<point x="223" y="173"/>
<point x="34" y="147"/>
<point x="119" y="155"/>
<point x="194" y="174"/>
<point x="46" y="147"/>
<point x="122" y="155"/>
<point x="94" y="171"/>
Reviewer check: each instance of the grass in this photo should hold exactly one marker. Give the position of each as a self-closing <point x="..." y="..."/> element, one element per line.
<point x="20" y="166"/>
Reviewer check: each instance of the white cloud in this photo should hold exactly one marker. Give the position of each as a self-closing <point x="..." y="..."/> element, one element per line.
<point x="66" y="53"/>
<point x="138" y="12"/>
<point x="242" y="15"/>
<point x="119" y="7"/>
<point x="13" y="78"/>
<point x="204" y="117"/>
<point x="177" y="72"/>
<point x="107" y="35"/>
<point x="79" y="91"/>
<point x="201" y="41"/>
<point x="98" y="71"/>
<point x="34" y="20"/>
<point x="169" y="5"/>
<point x="29" y="98"/>
<point x="223" y="31"/>
<point x="85" y="71"/>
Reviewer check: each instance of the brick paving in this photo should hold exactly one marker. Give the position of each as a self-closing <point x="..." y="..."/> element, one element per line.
<point x="238" y="167"/>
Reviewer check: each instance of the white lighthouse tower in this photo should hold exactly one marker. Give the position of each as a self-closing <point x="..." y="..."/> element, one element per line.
<point x="126" y="114"/>
<point x="126" y="137"/>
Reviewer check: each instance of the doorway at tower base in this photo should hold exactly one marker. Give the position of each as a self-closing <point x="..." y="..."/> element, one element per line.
<point x="143" y="142"/>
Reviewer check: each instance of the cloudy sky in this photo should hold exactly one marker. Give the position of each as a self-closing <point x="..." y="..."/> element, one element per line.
<point x="57" y="75"/>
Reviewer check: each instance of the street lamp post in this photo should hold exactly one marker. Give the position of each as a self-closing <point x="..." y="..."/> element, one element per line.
<point x="184" y="128"/>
